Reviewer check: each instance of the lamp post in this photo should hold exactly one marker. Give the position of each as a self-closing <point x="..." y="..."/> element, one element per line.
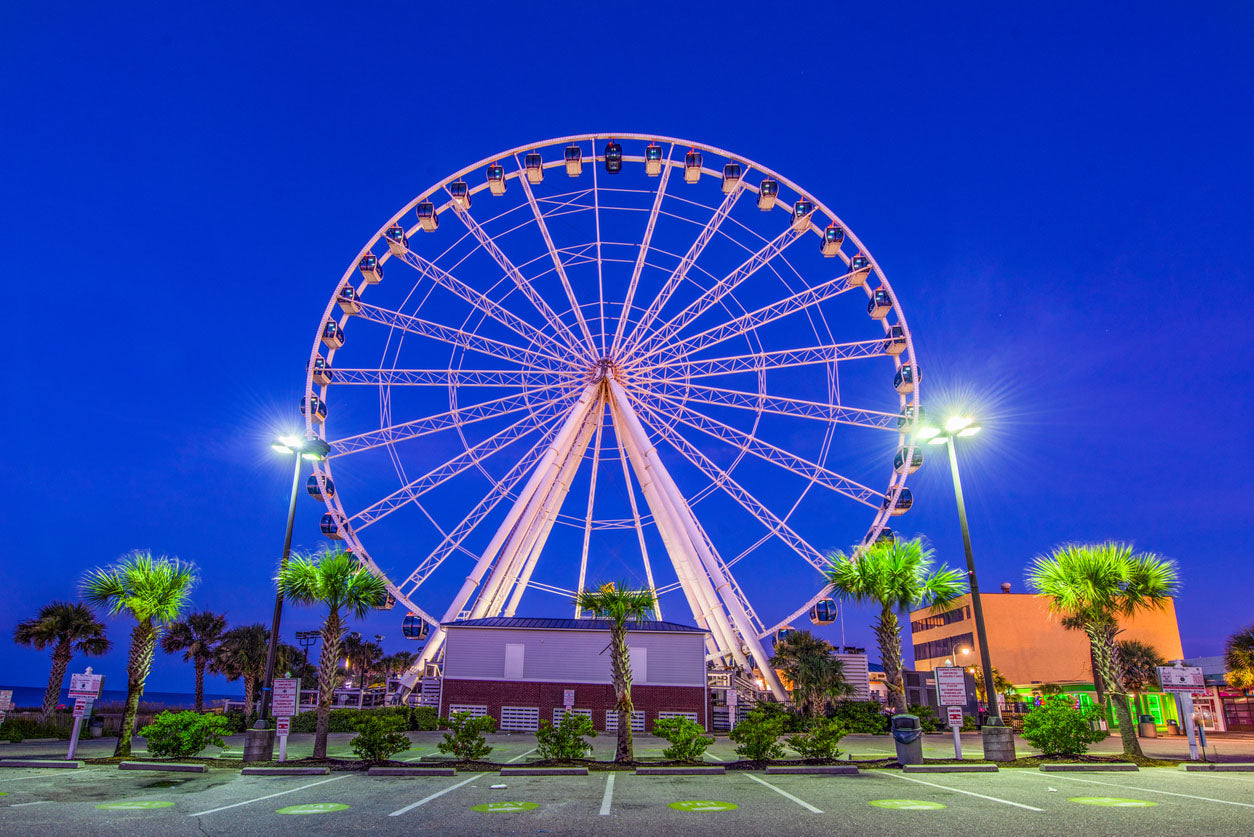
<point x="314" y="450"/>
<point x="956" y="426"/>
<point x="953" y="653"/>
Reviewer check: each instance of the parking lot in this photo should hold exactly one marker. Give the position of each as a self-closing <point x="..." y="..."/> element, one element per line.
<point x="103" y="799"/>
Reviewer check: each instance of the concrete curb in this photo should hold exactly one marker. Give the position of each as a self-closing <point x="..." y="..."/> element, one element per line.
<point x="285" y="771"/>
<point x="681" y="771"/>
<point x="411" y="771"/>
<point x="43" y="740"/>
<point x="544" y="771"/>
<point x="826" y="769"/>
<point x="1222" y="768"/>
<point x="171" y="767"/>
<point x="1118" y="767"/>
<point x="73" y="765"/>
<point x="949" y="768"/>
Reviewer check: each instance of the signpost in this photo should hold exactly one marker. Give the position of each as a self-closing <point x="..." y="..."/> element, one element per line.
<point x="6" y="703"/>
<point x="1183" y="681"/>
<point x="568" y="699"/>
<point x="951" y="692"/>
<point x="284" y="701"/>
<point x="84" y="688"/>
<point x="955" y="724"/>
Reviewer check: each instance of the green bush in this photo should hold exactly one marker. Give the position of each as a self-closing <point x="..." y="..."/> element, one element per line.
<point x="927" y="716"/>
<point x="379" y="737"/>
<point x="793" y="720"/>
<point x="237" y="722"/>
<point x="820" y="740"/>
<point x="1056" y="726"/>
<point x="758" y="735"/>
<point x="566" y="740"/>
<point x="465" y="737"/>
<point x="184" y="734"/>
<point x="860" y="716"/>
<point x="18" y="729"/>
<point x="346" y="720"/>
<point x="685" y="737"/>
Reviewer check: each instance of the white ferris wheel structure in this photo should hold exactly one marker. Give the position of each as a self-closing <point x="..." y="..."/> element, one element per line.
<point x="613" y="355"/>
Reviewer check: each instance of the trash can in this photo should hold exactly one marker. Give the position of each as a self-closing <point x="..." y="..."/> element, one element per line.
<point x="1146" y="727"/>
<point x="1173" y="728"/>
<point x="908" y="737"/>
<point x="96" y="728"/>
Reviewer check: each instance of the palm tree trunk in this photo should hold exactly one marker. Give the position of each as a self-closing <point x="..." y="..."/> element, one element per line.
<point x="888" y="636"/>
<point x="143" y="647"/>
<point x="620" y="674"/>
<point x="250" y="695"/>
<point x="1106" y="657"/>
<point x="60" y="662"/>
<point x="200" y="684"/>
<point x="332" y="629"/>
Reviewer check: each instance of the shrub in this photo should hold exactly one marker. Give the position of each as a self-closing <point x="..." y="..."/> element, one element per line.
<point x="860" y="716"/>
<point x="684" y="736"/>
<point x="424" y="718"/>
<point x="237" y="722"/>
<point x="380" y="737"/>
<point x="1056" y="726"/>
<point x="346" y="720"/>
<point x="820" y="740"/>
<point x="17" y="729"/>
<point x="565" y="741"/>
<point x="183" y="734"/>
<point x="793" y="720"/>
<point x="758" y="735"/>
<point x="927" y="716"/>
<point x="465" y="738"/>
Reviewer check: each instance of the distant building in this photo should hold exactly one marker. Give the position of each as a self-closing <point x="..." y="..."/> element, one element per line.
<point x="522" y="670"/>
<point x="1223" y="707"/>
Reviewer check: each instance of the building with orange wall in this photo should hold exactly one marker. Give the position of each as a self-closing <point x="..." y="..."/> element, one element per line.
<point x="1027" y="643"/>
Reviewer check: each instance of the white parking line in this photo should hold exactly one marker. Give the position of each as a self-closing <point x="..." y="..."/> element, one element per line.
<point x="24" y="804"/>
<point x="716" y="758"/>
<point x="521" y="755"/>
<point x="957" y="790"/>
<point x="784" y="793"/>
<point x="55" y="772"/>
<point x="1143" y="790"/>
<point x="268" y="796"/>
<point x="435" y="795"/>
<point x="609" y="794"/>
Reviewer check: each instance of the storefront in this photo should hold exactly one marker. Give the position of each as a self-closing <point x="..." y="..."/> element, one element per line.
<point x="1238" y="709"/>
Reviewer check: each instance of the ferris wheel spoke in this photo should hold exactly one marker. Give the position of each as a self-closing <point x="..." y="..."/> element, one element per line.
<point x="798" y="465"/>
<point x="766" y="361"/>
<point x="780" y="405"/>
<point x="427" y="425"/>
<point x="557" y="260"/>
<point x="447" y="377"/>
<point x="644" y="251"/>
<point x="775" y="526"/>
<point x="521" y="282"/>
<point x="711" y="296"/>
<point x="461" y="339"/>
<point x="495" y="310"/>
<point x="685" y="264"/>
<point x="592" y="493"/>
<point x="760" y="317"/>
<point x="411" y="491"/>
<point x="635" y="516"/>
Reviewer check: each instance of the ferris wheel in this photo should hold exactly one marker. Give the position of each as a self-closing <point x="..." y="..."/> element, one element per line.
<point x="613" y="356"/>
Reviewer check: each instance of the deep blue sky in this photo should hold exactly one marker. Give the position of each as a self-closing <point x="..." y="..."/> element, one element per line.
<point x="1059" y="196"/>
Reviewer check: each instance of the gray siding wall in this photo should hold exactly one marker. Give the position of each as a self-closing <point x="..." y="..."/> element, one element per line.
<point x="672" y="659"/>
<point x="857" y="673"/>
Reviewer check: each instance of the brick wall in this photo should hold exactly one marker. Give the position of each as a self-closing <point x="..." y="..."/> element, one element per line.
<point x="549" y="696"/>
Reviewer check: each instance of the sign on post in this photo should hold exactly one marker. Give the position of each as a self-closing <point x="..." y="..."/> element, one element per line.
<point x="284" y="726"/>
<point x="84" y="688"/>
<point x="6" y="703"/>
<point x="568" y="698"/>
<point x="951" y="686"/>
<point x="284" y="701"/>
<point x="954" y="716"/>
<point x="1181" y="679"/>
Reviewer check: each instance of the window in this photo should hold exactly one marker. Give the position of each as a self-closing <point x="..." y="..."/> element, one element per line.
<point x="559" y="712"/>
<point x="691" y="716"/>
<point x="475" y="711"/>
<point x="514" y="660"/>
<point x="525" y="718"/>
<point x="938" y="620"/>
<point x="942" y="647"/>
<point x="611" y="721"/>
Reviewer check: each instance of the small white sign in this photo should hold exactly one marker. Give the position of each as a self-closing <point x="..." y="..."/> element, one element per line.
<point x="6" y="700"/>
<point x="568" y="698"/>
<point x="80" y="706"/>
<point x="951" y="686"/>
<point x="1181" y="679"/>
<point x="285" y="699"/>
<point x="85" y="685"/>
<point x="955" y="716"/>
<point x="283" y="725"/>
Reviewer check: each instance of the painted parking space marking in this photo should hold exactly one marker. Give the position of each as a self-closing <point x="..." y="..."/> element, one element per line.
<point x="504" y="807"/>
<point x="521" y="755"/>
<point x="702" y="806"/>
<point x="958" y="790"/>
<point x="313" y="808"/>
<point x="1112" y="801"/>
<point x="906" y="804"/>
<point x="135" y="805"/>
<point x="784" y="793"/>
<point x="1144" y="790"/>
<point x="435" y="795"/>
<point x="608" y="798"/>
<point x="267" y="796"/>
<point x="716" y="758"/>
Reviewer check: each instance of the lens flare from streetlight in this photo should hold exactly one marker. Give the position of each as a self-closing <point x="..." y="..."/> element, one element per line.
<point x="292" y="441"/>
<point x="969" y="431"/>
<point x="954" y="424"/>
<point x="282" y="448"/>
<point x="939" y="440"/>
<point x="927" y="432"/>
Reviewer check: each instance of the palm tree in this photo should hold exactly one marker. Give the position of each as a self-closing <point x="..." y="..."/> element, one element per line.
<point x="197" y="637"/>
<point x="363" y="657"/>
<point x="335" y="580"/>
<point x="1239" y="658"/>
<point x="618" y="604"/>
<point x="242" y="655"/>
<point x="816" y="677"/>
<point x="295" y="663"/>
<point x="1139" y="662"/>
<point x="1092" y="586"/>
<point x="67" y="627"/>
<point x="1000" y="683"/>
<point x="897" y="576"/>
<point x="153" y="591"/>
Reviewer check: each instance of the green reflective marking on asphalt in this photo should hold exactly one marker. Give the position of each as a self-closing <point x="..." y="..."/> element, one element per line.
<point x="703" y="805"/>
<point x="313" y="808"/>
<point x="1112" y="801"/>
<point x="504" y="807"/>
<point x="906" y="804"/>
<point x="134" y="805"/>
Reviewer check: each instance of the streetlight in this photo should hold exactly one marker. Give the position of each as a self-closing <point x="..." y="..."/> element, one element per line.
<point x="953" y="653"/>
<point x="313" y="450"/>
<point x="956" y="426"/>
